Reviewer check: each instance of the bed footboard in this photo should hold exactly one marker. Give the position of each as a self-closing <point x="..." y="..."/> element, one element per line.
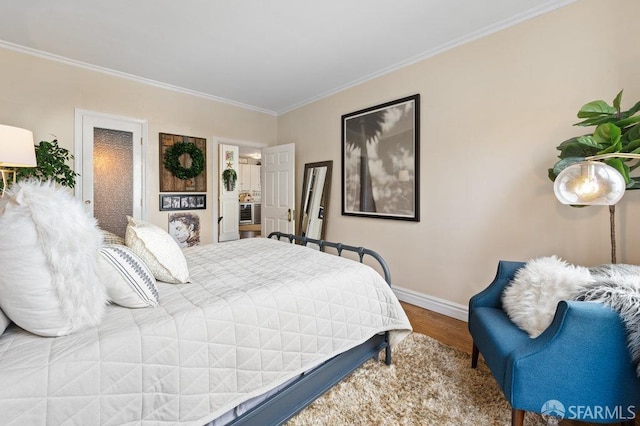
<point x="339" y="247"/>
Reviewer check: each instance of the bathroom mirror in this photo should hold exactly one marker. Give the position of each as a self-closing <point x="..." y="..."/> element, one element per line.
<point x="315" y="199"/>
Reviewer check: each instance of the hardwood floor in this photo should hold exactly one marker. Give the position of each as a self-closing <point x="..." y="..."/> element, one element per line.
<point x="450" y="331"/>
<point x="453" y="332"/>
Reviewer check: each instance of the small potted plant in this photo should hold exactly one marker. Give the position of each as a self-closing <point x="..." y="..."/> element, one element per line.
<point x="229" y="178"/>
<point x="52" y="164"/>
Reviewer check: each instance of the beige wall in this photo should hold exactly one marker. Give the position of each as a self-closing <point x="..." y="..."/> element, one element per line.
<point x="492" y="113"/>
<point x="41" y="95"/>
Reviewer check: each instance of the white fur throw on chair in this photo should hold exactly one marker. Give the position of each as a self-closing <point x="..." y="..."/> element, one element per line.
<point x="530" y="300"/>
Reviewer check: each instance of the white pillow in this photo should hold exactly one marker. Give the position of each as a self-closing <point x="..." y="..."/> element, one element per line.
<point x="4" y="322"/>
<point x="49" y="249"/>
<point x="158" y="250"/>
<point x="128" y="280"/>
<point x="111" y="238"/>
<point x="530" y="300"/>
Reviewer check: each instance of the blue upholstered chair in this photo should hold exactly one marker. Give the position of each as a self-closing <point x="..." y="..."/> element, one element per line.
<point x="579" y="365"/>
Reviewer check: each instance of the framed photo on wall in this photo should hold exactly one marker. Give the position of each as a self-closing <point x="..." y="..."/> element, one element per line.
<point x="184" y="227"/>
<point x="380" y="161"/>
<point x="183" y="201"/>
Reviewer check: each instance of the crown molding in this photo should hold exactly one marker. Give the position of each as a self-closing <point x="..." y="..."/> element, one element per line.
<point x="132" y="77"/>
<point x="514" y="20"/>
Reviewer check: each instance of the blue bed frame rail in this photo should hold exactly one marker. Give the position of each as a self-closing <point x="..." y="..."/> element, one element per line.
<point x="280" y="407"/>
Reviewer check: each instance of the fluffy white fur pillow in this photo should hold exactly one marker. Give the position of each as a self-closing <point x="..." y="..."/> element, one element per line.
<point x="158" y="250"/>
<point x="530" y="300"/>
<point x="49" y="249"/>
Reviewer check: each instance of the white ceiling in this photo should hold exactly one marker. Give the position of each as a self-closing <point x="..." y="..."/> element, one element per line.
<point x="268" y="55"/>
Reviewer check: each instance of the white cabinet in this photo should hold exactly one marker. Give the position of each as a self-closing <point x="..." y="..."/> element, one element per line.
<point x="249" y="177"/>
<point x="244" y="178"/>
<point x="255" y="177"/>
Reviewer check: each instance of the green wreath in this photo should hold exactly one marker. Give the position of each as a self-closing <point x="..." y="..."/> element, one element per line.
<point x="172" y="160"/>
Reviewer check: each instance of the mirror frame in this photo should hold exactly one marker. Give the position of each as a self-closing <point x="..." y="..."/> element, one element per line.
<point x="326" y="193"/>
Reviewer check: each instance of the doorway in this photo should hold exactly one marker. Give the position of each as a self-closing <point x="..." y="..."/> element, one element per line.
<point x="109" y="155"/>
<point x="250" y="191"/>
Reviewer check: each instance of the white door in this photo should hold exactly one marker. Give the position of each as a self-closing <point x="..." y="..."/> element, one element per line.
<point x="278" y="189"/>
<point x="228" y="206"/>
<point x="109" y="155"/>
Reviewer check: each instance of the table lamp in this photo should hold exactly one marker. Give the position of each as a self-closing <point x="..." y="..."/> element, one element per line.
<point x="16" y="150"/>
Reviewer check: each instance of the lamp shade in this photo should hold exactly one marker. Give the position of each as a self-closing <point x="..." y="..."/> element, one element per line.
<point x="589" y="183"/>
<point x="16" y="147"/>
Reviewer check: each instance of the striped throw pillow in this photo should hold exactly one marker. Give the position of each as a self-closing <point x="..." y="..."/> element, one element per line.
<point x="128" y="280"/>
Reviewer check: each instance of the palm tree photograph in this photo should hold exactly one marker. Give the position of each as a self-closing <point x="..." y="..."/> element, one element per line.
<point x="380" y="152"/>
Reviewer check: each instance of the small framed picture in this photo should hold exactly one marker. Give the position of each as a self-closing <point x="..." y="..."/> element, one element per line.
<point x="183" y="202"/>
<point x="185" y="228"/>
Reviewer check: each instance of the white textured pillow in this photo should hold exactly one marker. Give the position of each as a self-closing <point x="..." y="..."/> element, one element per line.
<point x="531" y="299"/>
<point x="4" y="322"/>
<point x="158" y="250"/>
<point x="128" y="280"/>
<point x="111" y="238"/>
<point x="49" y="249"/>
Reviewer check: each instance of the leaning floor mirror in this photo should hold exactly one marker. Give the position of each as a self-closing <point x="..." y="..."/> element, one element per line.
<point x="315" y="199"/>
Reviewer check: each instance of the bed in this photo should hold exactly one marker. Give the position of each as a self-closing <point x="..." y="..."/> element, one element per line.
<point x="263" y="327"/>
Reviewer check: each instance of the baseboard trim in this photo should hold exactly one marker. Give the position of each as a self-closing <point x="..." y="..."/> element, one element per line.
<point x="432" y="303"/>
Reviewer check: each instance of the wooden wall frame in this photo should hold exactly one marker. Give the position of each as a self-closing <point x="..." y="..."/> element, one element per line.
<point x="170" y="183"/>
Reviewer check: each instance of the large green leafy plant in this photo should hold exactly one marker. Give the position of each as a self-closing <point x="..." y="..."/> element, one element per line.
<point x="615" y="131"/>
<point x="52" y="164"/>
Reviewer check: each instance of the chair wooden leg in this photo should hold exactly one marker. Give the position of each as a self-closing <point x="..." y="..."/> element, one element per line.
<point x="474" y="356"/>
<point x="517" y="417"/>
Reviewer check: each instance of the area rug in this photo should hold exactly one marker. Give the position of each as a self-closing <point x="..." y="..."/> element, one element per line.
<point x="428" y="383"/>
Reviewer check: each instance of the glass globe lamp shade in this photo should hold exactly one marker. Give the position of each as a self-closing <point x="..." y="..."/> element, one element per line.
<point x="589" y="183"/>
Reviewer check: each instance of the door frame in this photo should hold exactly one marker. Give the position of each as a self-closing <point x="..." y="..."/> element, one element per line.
<point x="81" y="115"/>
<point x="217" y="141"/>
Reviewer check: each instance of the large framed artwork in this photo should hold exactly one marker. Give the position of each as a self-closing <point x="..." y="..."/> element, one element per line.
<point x="380" y="161"/>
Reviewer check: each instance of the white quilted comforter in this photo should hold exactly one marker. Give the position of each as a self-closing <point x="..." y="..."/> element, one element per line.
<point x="257" y="313"/>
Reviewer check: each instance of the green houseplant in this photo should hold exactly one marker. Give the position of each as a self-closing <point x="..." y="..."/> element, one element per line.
<point x="52" y="164"/>
<point x="616" y="131"/>
<point x="229" y="178"/>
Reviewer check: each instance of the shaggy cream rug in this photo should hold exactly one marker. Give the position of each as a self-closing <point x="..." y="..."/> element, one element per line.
<point x="428" y="383"/>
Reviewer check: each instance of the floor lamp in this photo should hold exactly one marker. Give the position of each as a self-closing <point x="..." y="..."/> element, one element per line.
<point x="592" y="182"/>
<point x="16" y="150"/>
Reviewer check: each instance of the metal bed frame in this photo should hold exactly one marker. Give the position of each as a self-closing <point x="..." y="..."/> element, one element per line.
<point x="284" y="404"/>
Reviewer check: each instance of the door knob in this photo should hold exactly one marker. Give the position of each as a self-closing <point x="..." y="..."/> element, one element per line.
<point x="87" y="201"/>
<point x="289" y="215"/>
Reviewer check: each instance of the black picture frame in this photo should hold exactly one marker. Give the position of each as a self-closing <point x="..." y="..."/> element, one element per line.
<point x="390" y="133"/>
<point x="183" y="202"/>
